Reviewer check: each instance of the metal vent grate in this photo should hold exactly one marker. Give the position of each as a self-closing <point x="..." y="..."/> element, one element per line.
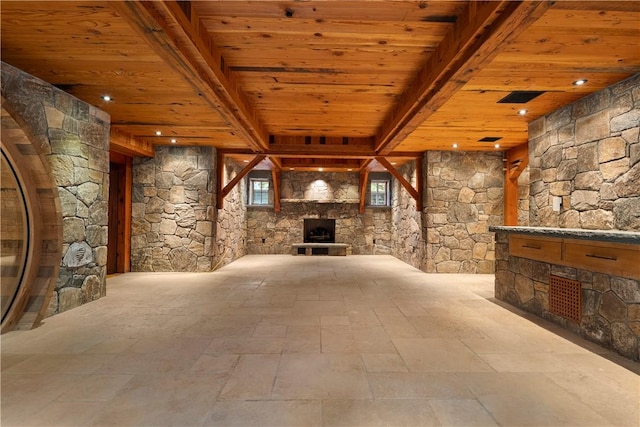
<point x="564" y="297"/>
<point x="490" y="139"/>
<point x="520" y="97"/>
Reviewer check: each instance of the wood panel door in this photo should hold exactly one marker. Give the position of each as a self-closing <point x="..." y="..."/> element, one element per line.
<point x="119" y="245"/>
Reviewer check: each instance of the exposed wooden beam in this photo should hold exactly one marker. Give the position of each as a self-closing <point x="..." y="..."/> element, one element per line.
<point x="324" y="151"/>
<point x="364" y="164"/>
<point x="220" y="169"/>
<point x="473" y="41"/>
<point x="419" y="185"/>
<point x="364" y="178"/>
<point x="276" y="162"/>
<point x="276" y="176"/>
<point x="236" y="179"/>
<point x="397" y="175"/>
<point x="125" y="143"/>
<point x="517" y="160"/>
<point x="321" y="151"/>
<point x="313" y="163"/>
<point x="177" y="38"/>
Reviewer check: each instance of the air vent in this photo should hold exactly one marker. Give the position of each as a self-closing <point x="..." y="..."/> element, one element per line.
<point x="490" y="139"/>
<point x="520" y="96"/>
<point x="564" y="297"/>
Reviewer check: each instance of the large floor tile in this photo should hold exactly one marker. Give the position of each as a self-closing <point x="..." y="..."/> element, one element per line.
<point x="530" y="399"/>
<point x="321" y="376"/>
<point x="242" y="413"/>
<point x="439" y="355"/>
<point x="308" y="341"/>
<point x="252" y="378"/>
<point x="407" y="385"/>
<point x="374" y="413"/>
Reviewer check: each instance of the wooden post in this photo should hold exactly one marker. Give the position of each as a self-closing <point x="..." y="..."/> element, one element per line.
<point x="364" y="178"/>
<point x="517" y="160"/>
<point x="277" y="178"/>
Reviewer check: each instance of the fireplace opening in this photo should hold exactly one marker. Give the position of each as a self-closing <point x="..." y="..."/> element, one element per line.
<point x="319" y="230"/>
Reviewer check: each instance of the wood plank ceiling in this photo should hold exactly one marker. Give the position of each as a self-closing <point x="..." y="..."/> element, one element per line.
<point x="330" y="84"/>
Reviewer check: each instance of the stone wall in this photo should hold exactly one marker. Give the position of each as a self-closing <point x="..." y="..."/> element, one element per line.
<point x="523" y="197"/>
<point x="408" y="230"/>
<point x="318" y="195"/>
<point x="588" y="153"/>
<point x="231" y="224"/>
<point x="75" y="138"/>
<point x="610" y="306"/>
<point x="172" y="210"/>
<point x="464" y="197"/>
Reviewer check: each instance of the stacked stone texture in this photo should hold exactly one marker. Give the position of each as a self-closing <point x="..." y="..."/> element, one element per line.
<point x="318" y="195"/>
<point x="588" y="153"/>
<point x="610" y="305"/>
<point x="172" y="210"/>
<point x="464" y="197"/>
<point x="75" y="137"/>
<point x="231" y="225"/>
<point x="408" y="231"/>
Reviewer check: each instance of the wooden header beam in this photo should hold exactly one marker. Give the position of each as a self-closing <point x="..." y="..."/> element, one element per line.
<point x="473" y="41"/>
<point x="178" y="40"/>
<point x="125" y="143"/>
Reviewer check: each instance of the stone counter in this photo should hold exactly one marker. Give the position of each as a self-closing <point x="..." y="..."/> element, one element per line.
<point x="614" y="236"/>
<point x="609" y="302"/>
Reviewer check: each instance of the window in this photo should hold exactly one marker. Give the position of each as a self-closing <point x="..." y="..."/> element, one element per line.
<point x="379" y="192"/>
<point x="258" y="191"/>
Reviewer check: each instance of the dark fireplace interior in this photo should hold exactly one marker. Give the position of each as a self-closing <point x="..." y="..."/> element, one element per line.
<point x="319" y="231"/>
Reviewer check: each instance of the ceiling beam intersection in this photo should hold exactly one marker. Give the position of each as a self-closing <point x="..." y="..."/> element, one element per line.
<point x="125" y="143"/>
<point x="472" y="43"/>
<point x="179" y="42"/>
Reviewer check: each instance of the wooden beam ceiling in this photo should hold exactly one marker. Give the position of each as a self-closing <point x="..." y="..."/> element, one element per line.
<point x="474" y="40"/>
<point x="337" y="83"/>
<point x="172" y="30"/>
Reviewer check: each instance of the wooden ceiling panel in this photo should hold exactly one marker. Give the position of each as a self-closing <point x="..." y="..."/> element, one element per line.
<point x="87" y="50"/>
<point x="231" y="73"/>
<point x="567" y="43"/>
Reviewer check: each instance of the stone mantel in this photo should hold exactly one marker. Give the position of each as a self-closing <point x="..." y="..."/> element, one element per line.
<point x="323" y="201"/>
<point x="614" y="236"/>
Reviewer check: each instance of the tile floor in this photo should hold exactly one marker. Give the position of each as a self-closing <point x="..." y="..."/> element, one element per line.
<point x="308" y="341"/>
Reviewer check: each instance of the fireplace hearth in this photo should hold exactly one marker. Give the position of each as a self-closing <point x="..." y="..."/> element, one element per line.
<point x="319" y="230"/>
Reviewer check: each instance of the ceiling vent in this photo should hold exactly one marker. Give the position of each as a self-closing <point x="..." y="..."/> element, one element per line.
<point x="520" y="96"/>
<point x="490" y="139"/>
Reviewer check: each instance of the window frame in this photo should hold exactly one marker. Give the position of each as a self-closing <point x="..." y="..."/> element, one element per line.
<point x="252" y="191"/>
<point x="387" y="192"/>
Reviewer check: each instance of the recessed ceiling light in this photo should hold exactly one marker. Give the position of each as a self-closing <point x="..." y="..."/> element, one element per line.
<point x="292" y="169"/>
<point x="106" y="98"/>
<point x="349" y="170"/>
<point x="580" y="82"/>
<point x="158" y="132"/>
<point x="497" y="146"/>
<point x="320" y="169"/>
<point x="454" y="145"/>
<point x="173" y="141"/>
<point x="246" y="161"/>
<point x="522" y="112"/>
<point x="394" y="163"/>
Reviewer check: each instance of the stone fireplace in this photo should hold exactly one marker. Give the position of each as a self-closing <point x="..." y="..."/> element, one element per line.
<point x="319" y="230"/>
